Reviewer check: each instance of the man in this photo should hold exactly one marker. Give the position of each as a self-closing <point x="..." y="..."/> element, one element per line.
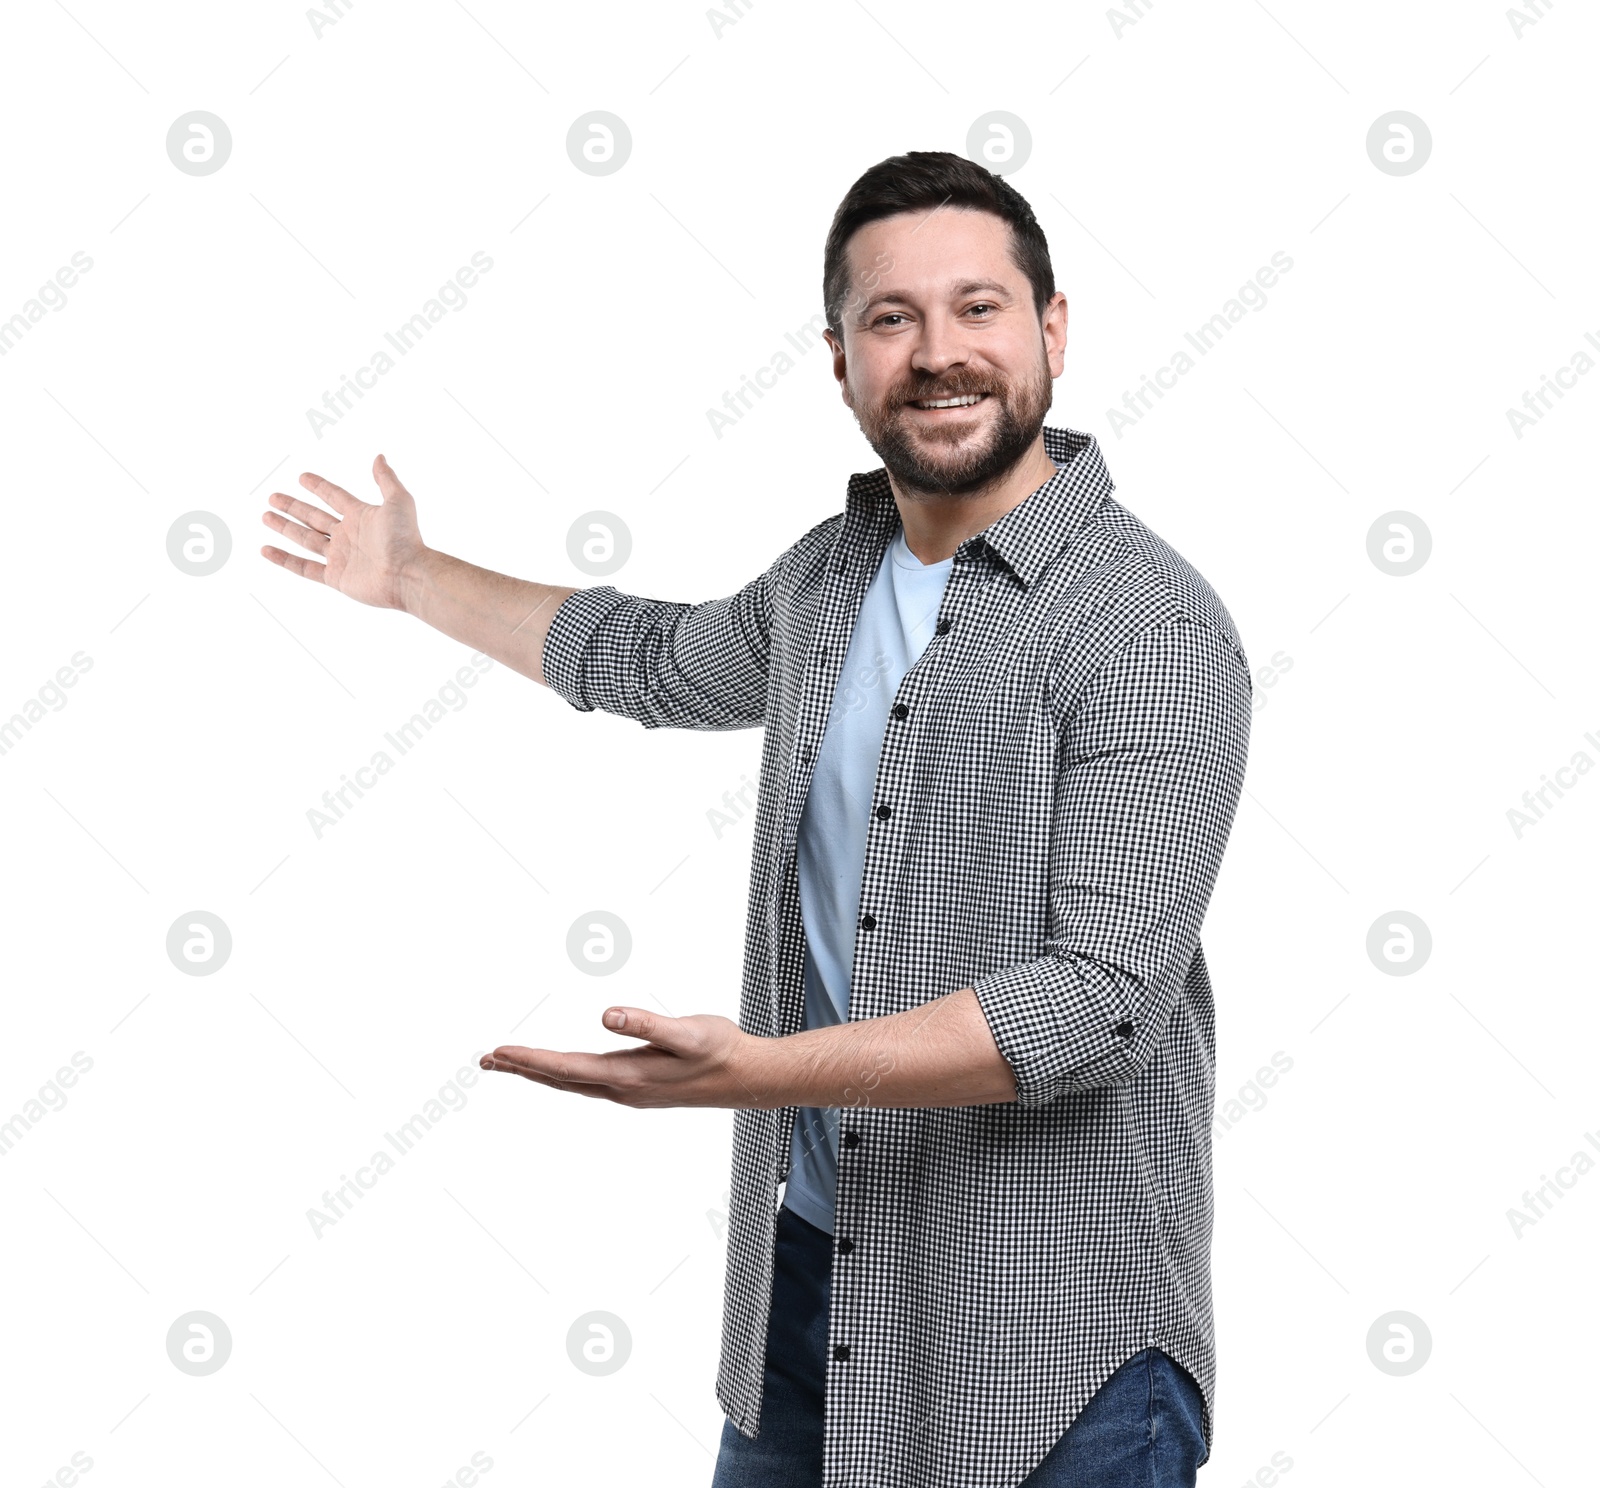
<point x="1006" y="731"/>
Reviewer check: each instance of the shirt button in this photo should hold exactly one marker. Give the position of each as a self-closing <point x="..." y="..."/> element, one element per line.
<point x="942" y="626"/>
<point x="884" y="813"/>
<point x="868" y="923"/>
<point x="900" y="710"/>
<point x="846" y="1246"/>
<point x="841" y="1351"/>
<point x="805" y="754"/>
<point x="852" y="1138"/>
<point x="1124" y="1029"/>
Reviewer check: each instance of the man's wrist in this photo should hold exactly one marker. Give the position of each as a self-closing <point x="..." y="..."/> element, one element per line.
<point x="770" y="1072"/>
<point x="415" y="581"/>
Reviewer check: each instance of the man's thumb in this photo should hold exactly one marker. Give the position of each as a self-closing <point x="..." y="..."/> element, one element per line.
<point x="389" y="483"/>
<point x="642" y="1025"/>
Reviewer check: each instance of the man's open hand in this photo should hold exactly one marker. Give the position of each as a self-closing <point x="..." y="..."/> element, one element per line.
<point x="368" y="552"/>
<point x="703" y="1060"/>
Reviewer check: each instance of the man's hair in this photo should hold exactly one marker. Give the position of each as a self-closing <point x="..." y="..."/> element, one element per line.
<point x="923" y="181"/>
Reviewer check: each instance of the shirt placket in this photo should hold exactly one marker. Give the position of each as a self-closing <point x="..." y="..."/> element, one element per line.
<point x="858" y="1181"/>
<point x="839" y="605"/>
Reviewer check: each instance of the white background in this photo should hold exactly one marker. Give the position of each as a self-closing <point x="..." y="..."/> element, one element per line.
<point x="1169" y="162"/>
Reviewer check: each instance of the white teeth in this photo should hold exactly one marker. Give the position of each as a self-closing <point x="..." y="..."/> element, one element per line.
<point x="965" y="402"/>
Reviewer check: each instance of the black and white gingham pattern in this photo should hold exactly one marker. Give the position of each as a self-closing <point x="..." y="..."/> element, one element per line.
<point x="1062" y="766"/>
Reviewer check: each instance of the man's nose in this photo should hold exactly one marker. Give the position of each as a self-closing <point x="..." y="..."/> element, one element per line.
<point x="938" y="348"/>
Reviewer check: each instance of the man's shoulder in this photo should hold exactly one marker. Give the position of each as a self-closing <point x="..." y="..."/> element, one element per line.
<point x="1121" y="570"/>
<point x="804" y="559"/>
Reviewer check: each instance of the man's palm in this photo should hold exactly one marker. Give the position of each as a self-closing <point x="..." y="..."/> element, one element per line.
<point x="365" y="549"/>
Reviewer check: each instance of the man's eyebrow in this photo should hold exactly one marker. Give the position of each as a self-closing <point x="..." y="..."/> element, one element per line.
<point x="965" y="287"/>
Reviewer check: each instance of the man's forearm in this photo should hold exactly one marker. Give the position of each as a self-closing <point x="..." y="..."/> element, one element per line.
<point x="503" y="617"/>
<point x="939" y="1054"/>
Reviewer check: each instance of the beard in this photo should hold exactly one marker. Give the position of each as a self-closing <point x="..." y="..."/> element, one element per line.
<point x="963" y="452"/>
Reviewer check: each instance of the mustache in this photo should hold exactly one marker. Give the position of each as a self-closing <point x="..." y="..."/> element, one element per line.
<point x="960" y="390"/>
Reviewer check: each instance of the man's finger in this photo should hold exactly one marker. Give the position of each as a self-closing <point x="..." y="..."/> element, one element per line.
<point x="620" y="1094"/>
<point x="335" y="496"/>
<point x="302" y="566"/>
<point x="534" y="1076"/>
<point x="594" y="1092"/>
<point x="316" y="542"/>
<point x="303" y="511"/>
<point x="548" y="1065"/>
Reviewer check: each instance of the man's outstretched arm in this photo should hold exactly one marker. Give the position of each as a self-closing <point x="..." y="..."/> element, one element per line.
<point x="662" y="663"/>
<point x="939" y="1054"/>
<point x="375" y="554"/>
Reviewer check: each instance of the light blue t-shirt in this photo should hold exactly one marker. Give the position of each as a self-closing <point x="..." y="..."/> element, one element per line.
<point x="897" y="617"/>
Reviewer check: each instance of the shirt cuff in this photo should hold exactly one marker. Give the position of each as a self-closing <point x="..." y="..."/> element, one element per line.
<point x="571" y="629"/>
<point x="1055" y="1029"/>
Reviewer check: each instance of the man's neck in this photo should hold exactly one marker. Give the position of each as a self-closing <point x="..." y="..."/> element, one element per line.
<point x="937" y="524"/>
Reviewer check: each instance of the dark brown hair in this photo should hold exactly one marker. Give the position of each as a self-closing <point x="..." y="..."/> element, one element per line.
<point x="920" y="181"/>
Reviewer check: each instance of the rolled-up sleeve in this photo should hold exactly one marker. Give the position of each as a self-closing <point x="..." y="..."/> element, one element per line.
<point x="666" y="664"/>
<point x="1150" y="770"/>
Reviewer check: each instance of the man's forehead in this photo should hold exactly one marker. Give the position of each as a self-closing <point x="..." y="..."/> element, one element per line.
<point x="918" y="252"/>
<point x="926" y="227"/>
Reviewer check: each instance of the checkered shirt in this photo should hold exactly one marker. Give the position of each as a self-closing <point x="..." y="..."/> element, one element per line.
<point x="1055" y="788"/>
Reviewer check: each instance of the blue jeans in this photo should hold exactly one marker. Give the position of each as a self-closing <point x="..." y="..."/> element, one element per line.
<point x="1141" y="1429"/>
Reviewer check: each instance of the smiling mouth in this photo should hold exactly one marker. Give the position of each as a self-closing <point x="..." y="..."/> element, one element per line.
<point x="947" y="405"/>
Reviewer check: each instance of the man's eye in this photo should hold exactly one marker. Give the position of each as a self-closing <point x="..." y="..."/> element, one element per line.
<point x="898" y="315"/>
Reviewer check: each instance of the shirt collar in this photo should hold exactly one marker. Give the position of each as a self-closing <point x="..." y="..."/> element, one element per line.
<point x="1029" y="536"/>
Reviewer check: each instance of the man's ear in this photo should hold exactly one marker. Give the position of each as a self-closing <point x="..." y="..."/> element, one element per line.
<point x="1053" y="327"/>
<point x="836" y="346"/>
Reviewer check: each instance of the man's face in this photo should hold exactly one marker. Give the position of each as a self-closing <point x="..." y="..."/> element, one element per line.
<point x="937" y="310"/>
